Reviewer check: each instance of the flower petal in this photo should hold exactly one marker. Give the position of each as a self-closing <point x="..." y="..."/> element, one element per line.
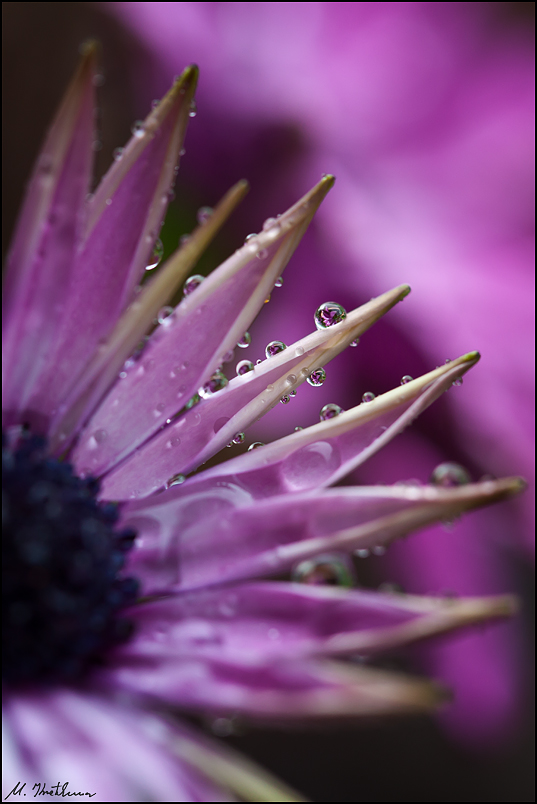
<point x="183" y="353"/>
<point x="205" y="429"/>
<point x="277" y="691"/>
<point x="137" y="320"/>
<point x="213" y="538"/>
<point x="281" y="619"/>
<point x="39" y="265"/>
<point x="123" y="223"/>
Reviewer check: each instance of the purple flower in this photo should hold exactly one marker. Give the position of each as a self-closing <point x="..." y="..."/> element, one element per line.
<point x="425" y="113"/>
<point x="133" y="581"/>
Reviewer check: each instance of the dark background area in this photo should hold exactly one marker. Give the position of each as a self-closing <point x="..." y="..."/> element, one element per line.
<point x="399" y="760"/>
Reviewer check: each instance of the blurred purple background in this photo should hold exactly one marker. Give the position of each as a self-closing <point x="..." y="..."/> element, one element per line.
<point x="424" y="111"/>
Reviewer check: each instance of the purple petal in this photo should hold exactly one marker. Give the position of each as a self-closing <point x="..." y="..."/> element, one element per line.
<point x="315" y="457"/>
<point x="183" y="353"/>
<point x="122" y="225"/>
<point x="281" y="619"/>
<point x="221" y="536"/>
<point x="208" y="427"/>
<point x="39" y="265"/>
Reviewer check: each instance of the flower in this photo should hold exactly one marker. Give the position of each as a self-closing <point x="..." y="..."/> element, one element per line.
<point x="425" y="112"/>
<point x="95" y="670"/>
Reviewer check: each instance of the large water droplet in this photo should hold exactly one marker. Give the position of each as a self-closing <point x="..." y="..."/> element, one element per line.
<point x="138" y="128"/>
<point x="317" y="377"/>
<point x="192" y="283"/>
<point x="155" y="256"/>
<point x="449" y="475"/>
<point x="245" y="341"/>
<point x="328" y="314"/>
<point x="215" y="384"/>
<point x="310" y="466"/>
<point x="330" y="411"/>
<point x="244" y="367"/>
<point x="369" y="396"/>
<point x="326" y="570"/>
<point x="203" y="214"/>
<point x="274" y="348"/>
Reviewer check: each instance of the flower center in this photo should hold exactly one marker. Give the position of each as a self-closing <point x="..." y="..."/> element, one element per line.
<point x="61" y="592"/>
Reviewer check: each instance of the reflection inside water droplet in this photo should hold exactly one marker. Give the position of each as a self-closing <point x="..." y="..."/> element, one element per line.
<point x="449" y="475"/>
<point x="328" y="314"/>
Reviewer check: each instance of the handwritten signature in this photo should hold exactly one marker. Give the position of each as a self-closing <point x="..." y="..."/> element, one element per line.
<point x="41" y="789"/>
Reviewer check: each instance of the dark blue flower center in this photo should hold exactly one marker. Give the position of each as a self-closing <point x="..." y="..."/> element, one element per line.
<point x="61" y="594"/>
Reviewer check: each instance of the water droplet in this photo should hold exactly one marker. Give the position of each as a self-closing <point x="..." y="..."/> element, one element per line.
<point x="155" y="103"/>
<point x="269" y="223"/>
<point x="355" y="342"/>
<point x="203" y="214"/>
<point x="173" y="442"/>
<point x="193" y="108"/>
<point x="182" y="152"/>
<point x="285" y="399"/>
<point x="267" y="299"/>
<point x="457" y="382"/>
<point x="407" y="378"/>
<point x="330" y="411"/>
<point x="192" y="283"/>
<point x="290" y="379"/>
<point x="118" y="153"/>
<point x="215" y="384"/>
<point x="328" y="314"/>
<point x="317" y="377"/>
<point x="447" y="360"/>
<point x="138" y="128"/>
<point x="164" y="314"/>
<point x="279" y="282"/>
<point x="100" y="436"/>
<point x="297" y="428"/>
<point x="193" y="401"/>
<point x="245" y="341"/>
<point x="155" y="256"/>
<point x="262" y="254"/>
<point x="274" y="348"/>
<point x="244" y="367"/>
<point x="122" y="374"/>
<point x="176" y="480"/>
<point x="255" y="445"/>
<point x="379" y="550"/>
<point x="228" y="357"/>
<point x="363" y="553"/>
<point x="293" y="393"/>
<point x="299" y="351"/>
<point x="369" y="396"/>
<point x="325" y="570"/>
<point x="238" y="438"/>
<point x="449" y="474"/>
<point x="310" y="466"/>
<point x="249" y="237"/>
<point x="108" y="202"/>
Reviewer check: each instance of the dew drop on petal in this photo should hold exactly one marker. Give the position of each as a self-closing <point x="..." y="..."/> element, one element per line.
<point x="274" y="348"/>
<point x="155" y="103"/>
<point x="176" y="480"/>
<point x="369" y="396"/>
<point x="299" y="351"/>
<point x="330" y="411"/>
<point x="269" y="223"/>
<point x="262" y="254"/>
<point x="448" y="475"/>
<point x="155" y="256"/>
<point x="355" y="342"/>
<point x="255" y="445"/>
<point x="290" y="379"/>
<point x="250" y="236"/>
<point x="203" y="214"/>
<point x="138" y="128"/>
<point x="164" y="314"/>
<point x="279" y="282"/>
<point x="379" y="550"/>
<point x="406" y="379"/>
<point x="215" y="384"/>
<point x="297" y="428"/>
<point x="100" y="436"/>
<point x="325" y="570"/>
<point x="317" y="377"/>
<point x="192" y="283"/>
<point x="285" y="399"/>
<point x="328" y="314"/>
<point x="245" y="341"/>
<point x="363" y="553"/>
<point x="118" y="153"/>
<point x="238" y="438"/>
<point x="244" y="367"/>
<point x="457" y="382"/>
<point x="293" y="393"/>
<point x="193" y="110"/>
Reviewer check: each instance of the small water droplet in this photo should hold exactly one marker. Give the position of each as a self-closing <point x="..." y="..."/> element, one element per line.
<point x="182" y="152"/>
<point x="238" y="438"/>
<point x="192" y="283"/>
<point x="108" y="202"/>
<point x="269" y="223"/>
<point x="203" y="214"/>
<point x="176" y="480"/>
<point x="297" y="428"/>
<point x="155" y="256"/>
<point x="262" y="254"/>
<point x="355" y="342"/>
<point x="285" y="399"/>
<point x="255" y="445"/>
<point x="215" y="384"/>
<point x="250" y="236"/>
<point x="279" y="282"/>
<point x="118" y="153"/>
<point x="173" y="442"/>
<point x="369" y="396"/>
<point x="155" y="103"/>
<point x="293" y="393"/>
<point x="122" y="374"/>
<point x="299" y="351"/>
<point x="244" y="367"/>
<point x="193" y="110"/>
<point x="164" y="314"/>
<point x="290" y="379"/>
<point x="245" y="341"/>
<point x="328" y="314"/>
<point x="325" y="570"/>
<point x="330" y="411"/>
<point x="457" y="382"/>
<point x="100" y="436"/>
<point x="274" y="348"/>
<point x="317" y="377"/>
<point x="267" y="299"/>
<point x="193" y="401"/>
<point x="363" y="553"/>
<point x="449" y="475"/>
<point x="379" y="550"/>
<point x="138" y="128"/>
<point x="406" y="379"/>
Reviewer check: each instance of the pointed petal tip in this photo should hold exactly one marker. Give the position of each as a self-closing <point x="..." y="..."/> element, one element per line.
<point x="405" y="290"/>
<point x="470" y="357"/>
<point x="189" y="76"/>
